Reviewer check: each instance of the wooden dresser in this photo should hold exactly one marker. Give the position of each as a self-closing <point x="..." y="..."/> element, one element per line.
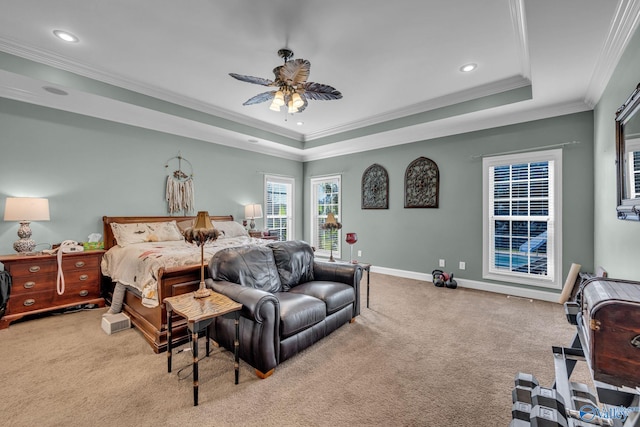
<point x="34" y="277"/>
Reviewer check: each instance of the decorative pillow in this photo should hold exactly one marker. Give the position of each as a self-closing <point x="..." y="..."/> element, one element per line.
<point x="294" y="260"/>
<point x="251" y="266"/>
<point x="140" y="232"/>
<point x="230" y="228"/>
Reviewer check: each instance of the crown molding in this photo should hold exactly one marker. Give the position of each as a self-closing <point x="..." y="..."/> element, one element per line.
<point x="623" y="25"/>
<point x="471" y="122"/>
<point x="519" y="21"/>
<point x="504" y="85"/>
<point x="60" y="62"/>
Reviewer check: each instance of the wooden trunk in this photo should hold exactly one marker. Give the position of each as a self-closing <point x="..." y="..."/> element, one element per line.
<point x="610" y="312"/>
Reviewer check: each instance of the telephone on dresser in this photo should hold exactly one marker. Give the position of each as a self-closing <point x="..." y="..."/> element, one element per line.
<point x="66" y="247"/>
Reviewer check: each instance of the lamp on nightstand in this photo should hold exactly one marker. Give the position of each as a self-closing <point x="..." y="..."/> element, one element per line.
<point x="25" y="210"/>
<point x="201" y="233"/>
<point x="252" y="212"/>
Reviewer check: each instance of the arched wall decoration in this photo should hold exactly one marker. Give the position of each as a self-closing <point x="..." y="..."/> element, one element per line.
<point x="421" y="184"/>
<point x="375" y="188"/>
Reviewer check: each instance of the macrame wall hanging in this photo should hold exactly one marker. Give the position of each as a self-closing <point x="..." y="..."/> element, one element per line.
<point x="180" y="193"/>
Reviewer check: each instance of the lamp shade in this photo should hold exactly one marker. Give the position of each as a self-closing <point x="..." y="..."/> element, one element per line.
<point x="26" y="209"/>
<point x="203" y="221"/>
<point x="253" y="211"/>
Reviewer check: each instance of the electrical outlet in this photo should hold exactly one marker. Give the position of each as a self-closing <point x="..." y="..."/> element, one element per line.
<point x="359" y="253"/>
<point x="441" y="263"/>
<point x="462" y="265"/>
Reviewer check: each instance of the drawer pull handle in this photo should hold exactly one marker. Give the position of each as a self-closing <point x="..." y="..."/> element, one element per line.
<point x="636" y="342"/>
<point x="29" y="285"/>
<point x="34" y="269"/>
<point x="29" y="302"/>
<point x="84" y="277"/>
<point x="80" y="264"/>
<point x="84" y="293"/>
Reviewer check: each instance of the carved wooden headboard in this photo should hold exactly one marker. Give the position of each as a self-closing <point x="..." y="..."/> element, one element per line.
<point x="110" y="240"/>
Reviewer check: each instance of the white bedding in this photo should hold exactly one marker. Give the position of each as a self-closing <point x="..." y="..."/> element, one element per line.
<point x="137" y="265"/>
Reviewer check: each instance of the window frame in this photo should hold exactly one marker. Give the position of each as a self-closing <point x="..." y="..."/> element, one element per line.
<point x="316" y="220"/>
<point x="290" y="202"/>
<point x="553" y="279"/>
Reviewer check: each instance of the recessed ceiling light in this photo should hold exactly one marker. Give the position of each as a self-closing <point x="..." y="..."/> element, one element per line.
<point x="468" y="67"/>
<point x="299" y="123"/>
<point x="55" y="90"/>
<point x="66" y="36"/>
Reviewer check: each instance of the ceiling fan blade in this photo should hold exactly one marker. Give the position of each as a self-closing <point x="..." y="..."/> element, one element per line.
<point x="295" y="72"/>
<point x="261" y="97"/>
<point x="251" y="79"/>
<point x="320" y="92"/>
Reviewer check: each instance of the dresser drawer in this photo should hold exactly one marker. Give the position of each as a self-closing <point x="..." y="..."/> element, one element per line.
<point x="37" y="267"/>
<point x="26" y="285"/>
<point x="77" y="294"/>
<point x="21" y="303"/>
<point x="87" y="263"/>
<point x="81" y="276"/>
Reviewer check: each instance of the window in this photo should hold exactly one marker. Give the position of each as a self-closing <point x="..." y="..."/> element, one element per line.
<point x="633" y="163"/>
<point x="522" y="212"/>
<point x="279" y="206"/>
<point x="325" y="198"/>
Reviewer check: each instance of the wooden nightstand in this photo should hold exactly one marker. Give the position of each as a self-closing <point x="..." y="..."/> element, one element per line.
<point x="33" y="288"/>
<point x="261" y="235"/>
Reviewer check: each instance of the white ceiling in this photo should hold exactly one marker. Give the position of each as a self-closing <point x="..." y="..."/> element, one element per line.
<point x="396" y="64"/>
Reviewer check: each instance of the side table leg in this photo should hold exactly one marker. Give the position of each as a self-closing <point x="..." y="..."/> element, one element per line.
<point x="169" y="346"/>
<point x="367" y="288"/>
<point x="194" y="348"/>
<point x="236" y="346"/>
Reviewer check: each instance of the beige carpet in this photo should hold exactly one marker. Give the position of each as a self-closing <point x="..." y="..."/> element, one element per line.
<point x="420" y="356"/>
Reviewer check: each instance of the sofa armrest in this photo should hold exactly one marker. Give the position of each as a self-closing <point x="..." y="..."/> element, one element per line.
<point x="259" y="325"/>
<point x="349" y="274"/>
<point x="252" y="300"/>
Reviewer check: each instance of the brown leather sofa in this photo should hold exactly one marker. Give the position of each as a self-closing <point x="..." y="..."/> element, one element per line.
<point x="289" y="300"/>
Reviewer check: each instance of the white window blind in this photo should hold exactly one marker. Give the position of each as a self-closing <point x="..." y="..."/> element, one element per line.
<point x="325" y="198"/>
<point x="279" y="206"/>
<point x="521" y="218"/>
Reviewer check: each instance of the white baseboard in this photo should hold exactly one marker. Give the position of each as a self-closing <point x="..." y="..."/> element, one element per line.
<point x="474" y="284"/>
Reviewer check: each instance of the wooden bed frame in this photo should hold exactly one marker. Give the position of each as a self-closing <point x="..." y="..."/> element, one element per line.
<point x="152" y="322"/>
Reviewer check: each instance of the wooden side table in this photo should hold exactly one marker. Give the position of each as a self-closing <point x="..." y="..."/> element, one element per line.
<point x="200" y="313"/>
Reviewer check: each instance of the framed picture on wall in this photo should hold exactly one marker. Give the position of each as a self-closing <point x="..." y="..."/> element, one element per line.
<point x="421" y="184"/>
<point x="375" y="188"/>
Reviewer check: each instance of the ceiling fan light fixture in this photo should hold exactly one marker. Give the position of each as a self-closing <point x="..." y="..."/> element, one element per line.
<point x="274" y="106"/>
<point x="292" y="108"/>
<point x="278" y="99"/>
<point x="297" y="100"/>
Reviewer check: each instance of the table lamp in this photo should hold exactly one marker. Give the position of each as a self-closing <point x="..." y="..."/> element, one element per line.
<point x="201" y="233"/>
<point x="251" y="212"/>
<point x="25" y="210"/>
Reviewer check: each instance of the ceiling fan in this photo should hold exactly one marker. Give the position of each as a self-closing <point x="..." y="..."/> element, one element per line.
<point x="292" y="88"/>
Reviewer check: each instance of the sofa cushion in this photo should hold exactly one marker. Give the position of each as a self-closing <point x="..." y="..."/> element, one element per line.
<point x="294" y="259"/>
<point x="252" y="266"/>
<point x="335" y="295"/>
<point x="298" y="312"/>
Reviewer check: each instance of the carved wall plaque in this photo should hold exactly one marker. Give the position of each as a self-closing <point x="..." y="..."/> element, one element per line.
<point x="375" y="188"/>
<point x="421" y="183"/>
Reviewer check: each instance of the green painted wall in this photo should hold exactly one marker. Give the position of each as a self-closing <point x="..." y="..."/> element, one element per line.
<point x="616" y="242"/>
<point x="90" y="167"/>
<point x="415" y="239"/>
